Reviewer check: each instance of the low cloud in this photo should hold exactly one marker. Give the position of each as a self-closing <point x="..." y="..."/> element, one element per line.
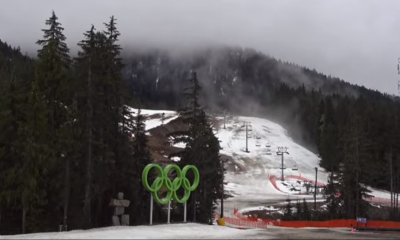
<point x="355" y="40"/>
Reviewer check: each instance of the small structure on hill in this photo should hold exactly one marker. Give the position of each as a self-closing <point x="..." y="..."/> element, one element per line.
<point x="120" y="218"/>
<point x="162" y="119"/>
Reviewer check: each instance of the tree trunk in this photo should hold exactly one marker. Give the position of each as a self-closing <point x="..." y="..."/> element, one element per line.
<point x="23" y="218"/>
<point x="66" y="193"/>
<point x="397" y="203"/>
<point x="87" y="202"/>
<point x="396" y="199"/>
<point x="357" y="172"/>
<point x="391" y="180"/>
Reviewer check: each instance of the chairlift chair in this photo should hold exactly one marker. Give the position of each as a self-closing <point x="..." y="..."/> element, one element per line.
<point x="295" y="168"/>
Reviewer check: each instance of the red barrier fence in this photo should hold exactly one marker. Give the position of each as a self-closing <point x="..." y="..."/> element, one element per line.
<point x="343" y="223"/>
<point x="251" y="222"/>
<point x="272" y="180"/>
<point x="239" y="223"/>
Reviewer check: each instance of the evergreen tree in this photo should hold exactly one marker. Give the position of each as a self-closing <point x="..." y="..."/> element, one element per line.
<point x="140" y="159"/>
<point x="211" y="170"/>
<point x="113" y="89"/>
<point x="288" y="212"/>
<point x="202" y="150"/>
<point x="327" y="138"/>
<point x="16" y="75"/>
<point x="106" y="119"/>
<point x="87" y="65"/>
<point x="332" y="199"/>
<point x="306" y="212"/>
<point x="53" y="65"/>
<point x="54" y="82"/>
<point x="353" y="191"/>
<point x="299" y="211"/>
<point x="35" y="159"/>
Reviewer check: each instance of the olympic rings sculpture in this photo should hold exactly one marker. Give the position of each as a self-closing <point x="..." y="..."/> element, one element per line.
<point x="172" y="186"/>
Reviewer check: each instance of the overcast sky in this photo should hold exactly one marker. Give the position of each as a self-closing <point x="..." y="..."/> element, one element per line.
<point x="356" y="40"/>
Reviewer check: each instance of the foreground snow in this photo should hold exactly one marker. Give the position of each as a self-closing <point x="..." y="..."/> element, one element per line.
<point x="171" y="231"/>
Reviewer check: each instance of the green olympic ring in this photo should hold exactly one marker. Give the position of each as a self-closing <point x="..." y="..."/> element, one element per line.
<point x="172" y="186"/>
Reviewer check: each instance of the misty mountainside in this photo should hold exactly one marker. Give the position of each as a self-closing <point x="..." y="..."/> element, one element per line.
<point x="346" y="124"/>
<point x="322" y="113"/>
<point x="242" y="81"/>
<point x="230" y="76"/>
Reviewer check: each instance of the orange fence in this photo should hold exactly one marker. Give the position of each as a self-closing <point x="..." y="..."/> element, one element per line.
<point x="251" y="222"/>
<point x="239" y="223"/>
<point x="242" y="222"/>
<point x="343" y="223"/>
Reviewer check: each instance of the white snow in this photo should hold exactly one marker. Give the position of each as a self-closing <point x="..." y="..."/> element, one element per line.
<point x="262" y="160"/>
<point x="290" y="186"/>
<point x="270" y="208"/>
<point x="379" y="193"/>
<point x="248" y="187"/>
<point x="165" y="231"/>
<point x="153" y="121"/>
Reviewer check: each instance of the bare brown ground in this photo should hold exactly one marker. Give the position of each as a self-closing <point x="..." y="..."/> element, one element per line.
<point x="158" y="142"/>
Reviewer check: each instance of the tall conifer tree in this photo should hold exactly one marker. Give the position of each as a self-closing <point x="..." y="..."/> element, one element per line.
<point x="202" y="150"/>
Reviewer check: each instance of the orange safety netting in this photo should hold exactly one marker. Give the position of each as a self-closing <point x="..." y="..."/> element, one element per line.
<point x="343" y="223"/>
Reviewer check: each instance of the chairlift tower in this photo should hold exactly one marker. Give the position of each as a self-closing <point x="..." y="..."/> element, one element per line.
<point x="282" y="151"/>
<point x="247" y="124"/>
<point x="224" y="118"/>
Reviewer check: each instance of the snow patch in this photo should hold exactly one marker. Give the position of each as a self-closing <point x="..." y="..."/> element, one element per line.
<point x="170" y="231"/>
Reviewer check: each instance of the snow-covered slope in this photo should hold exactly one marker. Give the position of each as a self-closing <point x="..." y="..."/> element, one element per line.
<point x="254" y="167"/>
<point x="154" y="117"/>
<point x="250" y="181"/>
<point x="171" y="231"/>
